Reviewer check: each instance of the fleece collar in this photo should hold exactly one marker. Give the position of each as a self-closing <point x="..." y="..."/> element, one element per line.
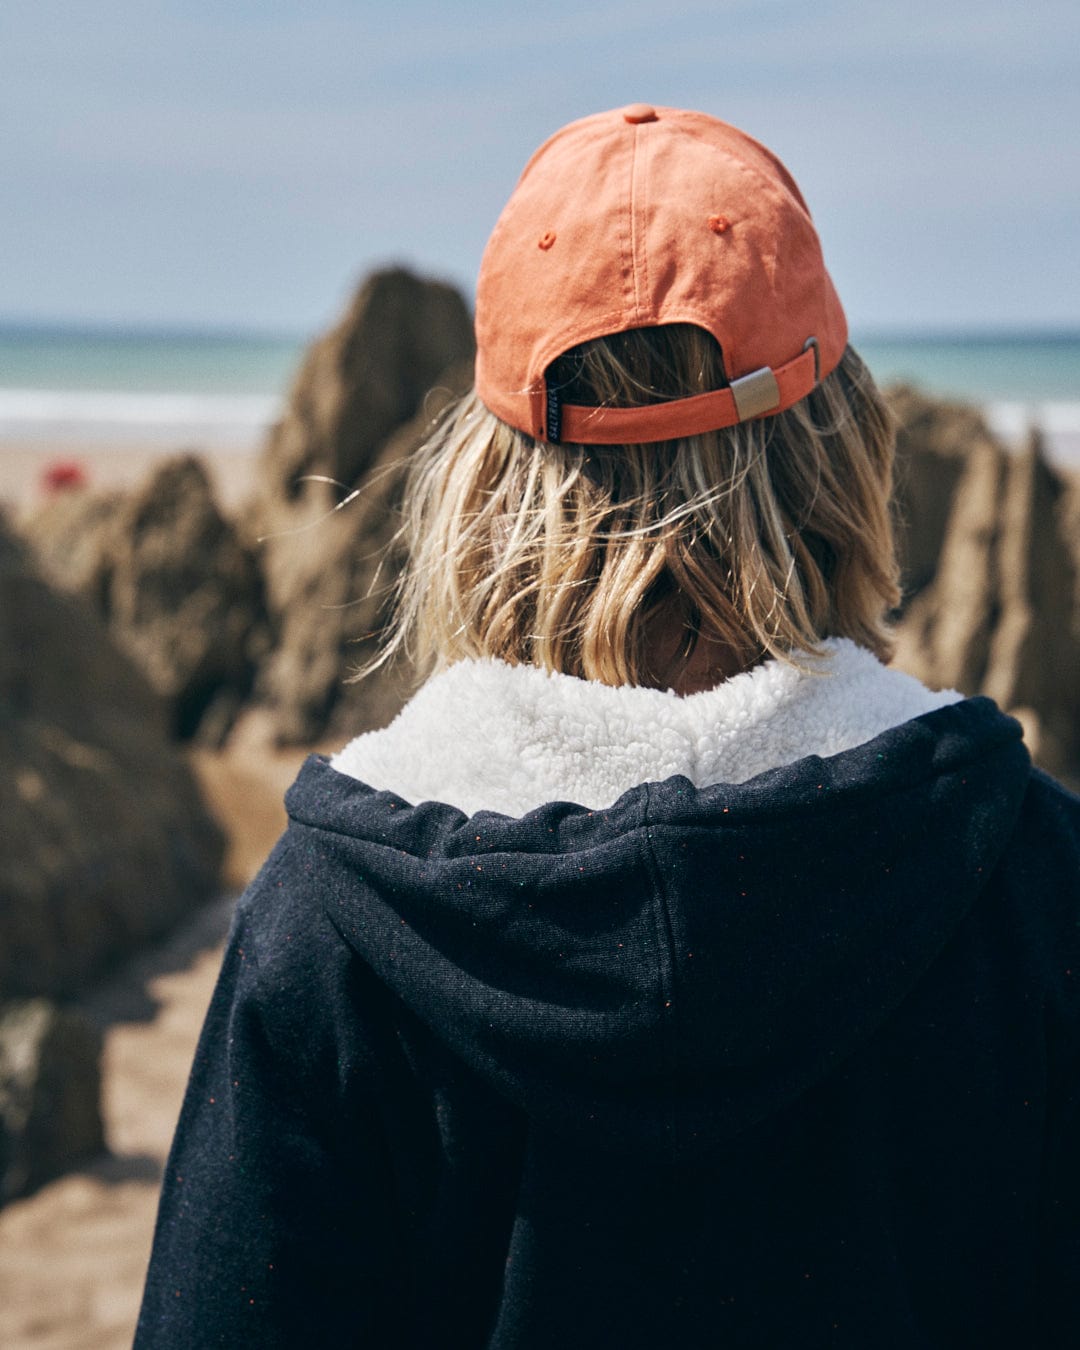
<point x="486" y="735"/>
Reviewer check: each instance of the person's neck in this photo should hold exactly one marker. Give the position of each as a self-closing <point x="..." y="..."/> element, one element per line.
<point x="708" y="663"/>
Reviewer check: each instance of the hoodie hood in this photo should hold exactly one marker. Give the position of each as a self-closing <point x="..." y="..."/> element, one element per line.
<point x="669" y="970"/>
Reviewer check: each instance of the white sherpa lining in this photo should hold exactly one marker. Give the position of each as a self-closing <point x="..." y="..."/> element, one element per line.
<point x="484" y="734"/>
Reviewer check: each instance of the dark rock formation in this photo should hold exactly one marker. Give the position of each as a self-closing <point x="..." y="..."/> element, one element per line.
<point x="292" y="608"/>
<point x="329" y="579"/>
<point x="185" y="600"/>
<point x="180" y="593"/>
<point x="50" y="1094"/>
<point x="1001" y="615"/>
<point x="366" y="395"/>
<point x="104" y="840"/>
<point x="951" y="621"/>
<point x="1034" y="659"/>
<point x="366" y="377"/>
<point x="72" y="536"/>
<point x="933" y="441"/>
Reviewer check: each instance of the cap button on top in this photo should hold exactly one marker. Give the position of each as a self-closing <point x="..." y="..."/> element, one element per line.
<point x="639" y="112"/>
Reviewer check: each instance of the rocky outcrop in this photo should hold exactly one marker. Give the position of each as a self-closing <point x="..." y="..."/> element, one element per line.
<point x="104" y="846"/>
<point x="365" y="397"/>
<point x="934" y="440"/>
<point x="50" y="1094"/>
<point x="364" y="378"/>
<point x="329" y="578"/>
<point x="949" y="624"/>
<point x="72" y="535"/>
<point x="104" y="840"/>
<point x="281" y="610"/>
<point x="1001" y="614"/>
<point x="179" y="591"/>
<point x="185" y="600"/>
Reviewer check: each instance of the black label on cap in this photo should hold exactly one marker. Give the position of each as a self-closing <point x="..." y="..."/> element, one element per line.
<point x="554" y="416"/>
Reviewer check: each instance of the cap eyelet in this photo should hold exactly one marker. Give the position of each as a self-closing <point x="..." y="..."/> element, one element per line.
<point x="546" y="240"/>
<point x="719" y="224"/>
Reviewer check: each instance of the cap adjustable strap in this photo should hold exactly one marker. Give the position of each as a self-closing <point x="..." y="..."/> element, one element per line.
<point x="755" y="395"/>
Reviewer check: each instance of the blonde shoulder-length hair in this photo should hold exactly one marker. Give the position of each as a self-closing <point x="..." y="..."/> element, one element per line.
<point x="763" y="538"/>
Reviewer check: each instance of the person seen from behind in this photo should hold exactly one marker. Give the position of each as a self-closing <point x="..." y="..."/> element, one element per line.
<point x="671" y="972"/>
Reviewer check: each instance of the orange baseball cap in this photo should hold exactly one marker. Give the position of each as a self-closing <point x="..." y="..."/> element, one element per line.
<point x="646" y="216"/>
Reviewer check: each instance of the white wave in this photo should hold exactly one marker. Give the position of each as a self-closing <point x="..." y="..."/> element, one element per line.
<point x="1055" y="417"/>
<point x="94" y="414"/>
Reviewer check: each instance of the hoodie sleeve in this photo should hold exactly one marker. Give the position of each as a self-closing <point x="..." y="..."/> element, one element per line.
<point x="276" y="1224"/>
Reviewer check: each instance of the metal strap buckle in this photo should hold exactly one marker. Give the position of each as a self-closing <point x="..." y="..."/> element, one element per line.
<point x="755" y="393"/>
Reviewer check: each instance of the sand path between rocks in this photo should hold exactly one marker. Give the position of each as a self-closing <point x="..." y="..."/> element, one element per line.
<point x="73" y="1256"/>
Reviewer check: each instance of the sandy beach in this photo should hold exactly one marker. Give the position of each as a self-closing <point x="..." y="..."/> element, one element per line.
<point x="24" y="461"/>
<point x="73" y="1256"/>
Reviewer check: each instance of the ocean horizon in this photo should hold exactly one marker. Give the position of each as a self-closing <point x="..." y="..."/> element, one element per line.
<point x="170" y="387"/>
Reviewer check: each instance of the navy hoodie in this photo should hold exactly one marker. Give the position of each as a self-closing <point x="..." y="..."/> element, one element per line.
<point x="793" y="1062"/>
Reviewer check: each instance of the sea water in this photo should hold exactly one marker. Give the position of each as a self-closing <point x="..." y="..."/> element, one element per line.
<point x="85" y="386"/>
<point x="1018" y="380"/>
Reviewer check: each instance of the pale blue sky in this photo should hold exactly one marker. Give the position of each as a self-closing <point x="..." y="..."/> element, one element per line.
<point x="241" y="165"/>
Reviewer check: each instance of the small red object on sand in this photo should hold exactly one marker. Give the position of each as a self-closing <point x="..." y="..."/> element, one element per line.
<point x="63" y="474"/>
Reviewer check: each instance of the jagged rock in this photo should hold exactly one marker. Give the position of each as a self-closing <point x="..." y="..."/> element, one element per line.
<point x="71" y="534"/>
<point x="933" y="441"/>
<point x="1001" y="616"/>
<point x="104" y="839"/>
<point x="50" y="1094"/>
<point x="329" y="577"/>
<point x="366" y="395"/>
<point x="364" y="378"/>
<point x="180" y="592"/>
<point x="301" y="595"/>
<point x="186" y="599"/>
<point x="948" y="627"/>
<point x="1034" y="658"/>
